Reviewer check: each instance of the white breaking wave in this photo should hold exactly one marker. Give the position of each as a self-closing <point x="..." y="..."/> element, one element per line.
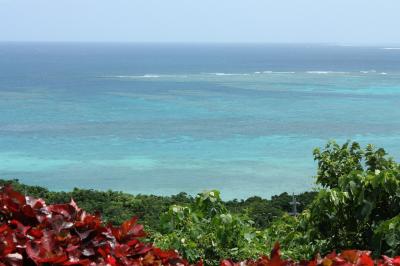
<point x="247" y="74"/>
<point x="319" y="72"/>
<point x="391" y="48"/>
<point x="278" y="72"/>
<point x="326" y="72"/>
<point x="368" y="71"/>
<point x="383" y="73"/>
<point x="150" y="76"/>
<point x="145" y="76"/>
<point x="133" y="76"/>
<point x="229" y="74"/>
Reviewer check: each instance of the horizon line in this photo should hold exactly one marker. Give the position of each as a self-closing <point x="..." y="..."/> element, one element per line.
<point x="203" y="43"/>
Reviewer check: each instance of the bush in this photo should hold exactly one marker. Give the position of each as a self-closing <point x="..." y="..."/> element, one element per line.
<point x="33" y="233"/>
<point x="207" y="230"/>
<point x="360" y="198"/>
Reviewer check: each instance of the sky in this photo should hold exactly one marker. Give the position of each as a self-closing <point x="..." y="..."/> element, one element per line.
<point x="265" y="21"/>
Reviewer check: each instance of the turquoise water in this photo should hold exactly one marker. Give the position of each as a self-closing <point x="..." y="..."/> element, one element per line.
<point x="162" y="119"/>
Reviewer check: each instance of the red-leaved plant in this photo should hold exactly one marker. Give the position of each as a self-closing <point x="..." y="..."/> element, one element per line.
<point x="33" y="233"/>
<point x="346" y="258"/>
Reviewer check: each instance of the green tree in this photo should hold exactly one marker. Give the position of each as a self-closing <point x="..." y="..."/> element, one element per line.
<point x="361" y="192"/>
<point x="207" y="230"/>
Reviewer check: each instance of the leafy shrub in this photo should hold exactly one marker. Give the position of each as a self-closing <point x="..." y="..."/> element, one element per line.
<point x="33" y="233"/>
<point x="293" y="234"/>
<point x="387" y="236"/>
<point x="207" y="230"/>
<point x="361" y="194"/>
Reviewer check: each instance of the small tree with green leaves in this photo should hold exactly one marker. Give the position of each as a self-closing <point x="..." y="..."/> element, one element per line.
<point x="360" y="193"/>
<point x="207" y="230"/>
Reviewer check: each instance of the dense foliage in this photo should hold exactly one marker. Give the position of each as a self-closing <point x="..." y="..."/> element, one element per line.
<point x="263" y="212"/>
<point x="359" y="204"/>
<point x="116" y="207"/>
<point x="248" y="217"/>
<point x="206" y="229"/>
<point x="33" y="233"/>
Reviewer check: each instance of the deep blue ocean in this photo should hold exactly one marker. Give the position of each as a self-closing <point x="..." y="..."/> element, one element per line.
<point x="166" y="118"/>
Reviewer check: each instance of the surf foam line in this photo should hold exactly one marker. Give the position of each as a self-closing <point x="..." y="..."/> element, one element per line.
<point x="228" y="74"/>
<point x="146" y="76"/>
<point x="320" y="72"/>
<point x="133" y="76"/>
<point x="278" y="72"/>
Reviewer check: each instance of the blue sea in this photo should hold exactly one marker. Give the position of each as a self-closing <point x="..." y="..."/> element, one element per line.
<point x="166" y="118"/>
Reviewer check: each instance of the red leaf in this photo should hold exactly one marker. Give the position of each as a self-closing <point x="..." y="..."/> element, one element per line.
<point x="365" y="260"/>
<point x="7" y="245"/>
<point x="111" y="260"/>
<point x="128" y="230"/>
<point x="14" y="259"/>
<point x="276" y="256"/>
<point x="350" y="255"/>
<point x="12" y="199"/>
<point x="396" y="261"/>
<point x="65" y="210"/>
<point x="121" y="251"/>
<point x="227" y="263"/>
<point x="199" y="263"/>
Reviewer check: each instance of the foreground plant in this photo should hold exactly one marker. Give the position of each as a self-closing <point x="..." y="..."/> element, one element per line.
<point x="346" y="258"/>
<point x="33" y="233"/>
